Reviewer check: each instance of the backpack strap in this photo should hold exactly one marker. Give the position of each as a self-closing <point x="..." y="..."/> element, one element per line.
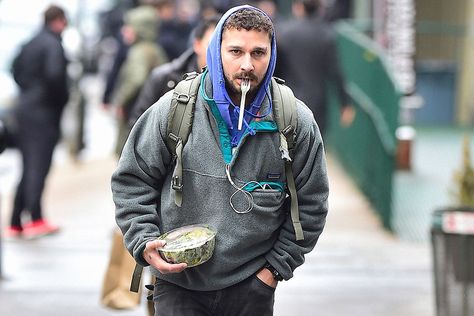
<point x="284" y="111"/>
<point x="180" y="120"/>
<point x="136" y="278"/>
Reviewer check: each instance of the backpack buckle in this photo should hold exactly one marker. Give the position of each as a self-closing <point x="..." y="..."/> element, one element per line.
<point x="279" y="80"/>
<point x="183" y="98"/>
<point x="190" y="75"/>
<point x="177" y="184"/>
<point x="288" y="130"/>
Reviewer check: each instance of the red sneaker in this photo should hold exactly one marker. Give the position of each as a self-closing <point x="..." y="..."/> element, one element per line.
<point x="38" y="229"/>
<point x="13" y="232"/>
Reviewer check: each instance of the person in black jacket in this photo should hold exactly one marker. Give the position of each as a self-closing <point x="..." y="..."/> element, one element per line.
<point x="165" y="77"/>
<point x="308" y="60"/>
<point x="40" y="72"/>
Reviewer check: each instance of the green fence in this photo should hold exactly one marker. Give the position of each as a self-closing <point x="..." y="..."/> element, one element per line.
<point x="367" y="148"/>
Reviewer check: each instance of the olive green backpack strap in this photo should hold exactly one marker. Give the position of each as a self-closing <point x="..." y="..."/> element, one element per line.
<point x="284" y="111"/>
<point x="136" y="278"/>
<point x="180" y="121"/>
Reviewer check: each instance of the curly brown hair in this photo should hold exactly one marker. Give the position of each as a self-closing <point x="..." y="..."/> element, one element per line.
<point x="250" y="19"/>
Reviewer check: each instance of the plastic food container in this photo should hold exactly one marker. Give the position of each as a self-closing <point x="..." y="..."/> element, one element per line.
<point x="193" y="245"/>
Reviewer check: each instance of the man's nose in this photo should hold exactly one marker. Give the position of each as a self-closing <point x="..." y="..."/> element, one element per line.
<point x="246" y="64"/>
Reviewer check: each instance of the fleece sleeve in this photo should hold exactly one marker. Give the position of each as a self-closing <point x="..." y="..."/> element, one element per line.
<point x="309" y="168"/>
<point x="138" y="179"/>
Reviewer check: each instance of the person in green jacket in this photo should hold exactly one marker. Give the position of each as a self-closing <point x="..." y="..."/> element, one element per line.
<point x="140" y="31"/>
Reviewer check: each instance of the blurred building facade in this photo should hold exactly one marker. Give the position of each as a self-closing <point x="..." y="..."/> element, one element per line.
<point x="443" y="58"/>
<point x="443" y="50"/>
<point x="435" y="44"/>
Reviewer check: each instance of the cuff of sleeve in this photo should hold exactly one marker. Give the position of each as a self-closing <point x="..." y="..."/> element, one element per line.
<point x="282" y="268"/>
<point x="138" y="255"/>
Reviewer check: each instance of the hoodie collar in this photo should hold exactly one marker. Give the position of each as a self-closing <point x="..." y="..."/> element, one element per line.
<point x="227" y="109"/>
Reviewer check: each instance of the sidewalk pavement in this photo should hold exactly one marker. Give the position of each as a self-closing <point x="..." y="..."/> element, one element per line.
<point x="430" y="184"/>
<point x="357" y="268"/>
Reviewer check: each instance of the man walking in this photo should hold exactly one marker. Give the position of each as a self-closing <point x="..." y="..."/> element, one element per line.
<point x="233" y="181"/>
<point x="40" y="72"/>
<point x="308" y="61"/>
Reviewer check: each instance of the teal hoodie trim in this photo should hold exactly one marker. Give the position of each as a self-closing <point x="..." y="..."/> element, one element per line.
<point x="224" y="135"/>
<point x="265" y="185"/>
<point x="264" y="126"/>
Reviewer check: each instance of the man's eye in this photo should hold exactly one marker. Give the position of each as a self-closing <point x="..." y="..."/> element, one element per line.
<point x="259" y="53"/>
<point x="235" y="51"/>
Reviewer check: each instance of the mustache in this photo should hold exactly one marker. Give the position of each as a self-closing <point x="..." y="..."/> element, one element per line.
<point x="243" y="75"/>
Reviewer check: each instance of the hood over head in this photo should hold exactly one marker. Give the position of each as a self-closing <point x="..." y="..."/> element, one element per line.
<point x="144" y="21"/>
<point x="216" y="72"/>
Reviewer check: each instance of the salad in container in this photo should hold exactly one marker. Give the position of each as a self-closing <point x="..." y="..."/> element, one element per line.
<point x="192" y="244"/>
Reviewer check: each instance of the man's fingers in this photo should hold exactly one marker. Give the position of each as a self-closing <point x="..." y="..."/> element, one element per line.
<point x="155" y="244"/>
<point x="153" y="257"/>
<point x="165" y="267"/>
<point x="172" y="267"/>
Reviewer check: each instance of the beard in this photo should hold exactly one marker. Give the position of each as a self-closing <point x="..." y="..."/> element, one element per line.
<point x="234" y="89"/>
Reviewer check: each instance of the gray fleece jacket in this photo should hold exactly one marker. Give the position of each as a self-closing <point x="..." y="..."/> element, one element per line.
<point x="145" y="205"/>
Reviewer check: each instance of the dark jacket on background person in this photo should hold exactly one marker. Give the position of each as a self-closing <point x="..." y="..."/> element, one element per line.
<point x="40" y="71"/>
<point x="174" y="37"/>
<point x="162" y="79"/>
<point x="308" y="60"/>
<point x="113" y="73"/>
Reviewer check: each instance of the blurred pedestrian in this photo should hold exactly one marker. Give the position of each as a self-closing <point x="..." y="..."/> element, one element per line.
<point x="165" y="77"/>
<point x="111" y="26"/>
<point x="233" y="180"/>
<point x="140" y="31"/>
<point x="175" y="29"/>
<point x="308" y="60"/>
<point x="111" y="20"/>
<point x="112" y="32"/>
<point x="337" y="9"/>
<point x="223" y="5"/>
<point x="3" y="136"/>
<point x="269" y="7"/>
<point x="40" y="72"/>
<point x="207" y="9"/>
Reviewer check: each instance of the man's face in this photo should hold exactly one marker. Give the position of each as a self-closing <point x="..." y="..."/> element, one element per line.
<point x="58" y="25"/>
<point x="245" y="54"/>
<point x="128" y="34"/>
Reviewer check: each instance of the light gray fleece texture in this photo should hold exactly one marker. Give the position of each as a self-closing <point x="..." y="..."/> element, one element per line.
<point x="145" y="206"/>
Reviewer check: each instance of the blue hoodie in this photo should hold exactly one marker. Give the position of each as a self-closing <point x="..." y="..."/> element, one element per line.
<point x="228" y="110"/>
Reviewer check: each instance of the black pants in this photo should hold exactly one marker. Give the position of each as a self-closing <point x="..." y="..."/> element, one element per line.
<point x="36" y="140"/>
<point x="250" y="297"/>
